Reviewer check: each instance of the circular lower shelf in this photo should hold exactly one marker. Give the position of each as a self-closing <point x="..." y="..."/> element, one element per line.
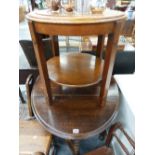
<point x="75" y="109"/>
<point x="75" y="69"/>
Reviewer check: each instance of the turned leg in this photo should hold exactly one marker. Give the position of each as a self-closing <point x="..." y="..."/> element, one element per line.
<point x="74" y="146"/>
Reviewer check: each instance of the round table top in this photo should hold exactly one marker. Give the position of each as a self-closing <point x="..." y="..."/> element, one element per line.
<point x="45" y="16"/>
<point x="75" y="112"/>
<point x="75" y="69"/>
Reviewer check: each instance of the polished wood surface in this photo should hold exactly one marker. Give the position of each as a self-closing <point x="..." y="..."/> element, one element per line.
<point x="38" y="46"/>
<point x="75" y="69"/>
<point x="75" y="108"/>
<point x="76" y="113"/>
<point x="74" y="29"/>
<point x="29" y="85"/>
<point x="114" y="134"/>
<point x="109" y="60"/>
<point x="109" y="23"/>
<point x="100" y="46"/>
<point x="55" y="45"/>
<point x="45" y="16"/>
<point x="33" y="138"/>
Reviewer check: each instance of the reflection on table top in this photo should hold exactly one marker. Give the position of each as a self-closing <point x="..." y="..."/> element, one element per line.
<point x="46" y="16"/>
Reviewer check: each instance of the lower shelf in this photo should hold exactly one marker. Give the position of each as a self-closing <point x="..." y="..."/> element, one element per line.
<point x="75" y="69"/>
<point x="75" y="109"/>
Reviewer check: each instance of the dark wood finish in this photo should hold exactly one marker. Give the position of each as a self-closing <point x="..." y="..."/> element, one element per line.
<point x="111" y="131"/>
<point x="38" y="47"/>
<point x="74" y="146"/>
<point x="23" y="74"/>
<point x="100" y="46"/>
<point x="101" y="151"/>
<point x="75" y="69"/>
<point x="121" y="144"/>
<point x="112" y="134"/>
<point x="55" y="45"/>
<point x="109" y="60"/>
<point x="28" y="50"/>
<point x="113" y="128"/>
<point x="29" y="85"/>
<point x="38" y="153"/>
<point x="75" y="108"/>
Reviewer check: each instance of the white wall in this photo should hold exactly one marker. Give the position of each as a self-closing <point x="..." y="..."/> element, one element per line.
<point x="126" y="112"/>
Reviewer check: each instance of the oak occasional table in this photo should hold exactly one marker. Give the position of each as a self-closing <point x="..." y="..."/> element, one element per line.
<point x="75" y="96"/>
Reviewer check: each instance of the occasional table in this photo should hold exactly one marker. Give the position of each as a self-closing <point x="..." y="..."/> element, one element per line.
<point x="75" y="96"/>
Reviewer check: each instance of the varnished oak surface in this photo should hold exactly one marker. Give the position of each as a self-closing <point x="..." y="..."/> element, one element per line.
<point x="33" y="138"/>
<point x="75" y="108"/>
<point x="45" y="16"/>
<point x="75" y="69"/>
<point x="109" y="23"/>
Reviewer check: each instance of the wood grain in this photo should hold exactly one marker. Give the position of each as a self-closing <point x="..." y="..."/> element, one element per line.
<point x="38" y="48"/>
<point x="29" y="85"/>
<point x="55" y="45"/>
<point x="109" y="60"/>
<point x="100" y="46"/>
<point x="109" y="23"/>
<point x="75" y="108"/>
<point x="33" y="138"/>
<point x="44" y="16"/>
<point x="112" y="133"/>
<point x="74" y="29"/>
<point x="75" y="69"/>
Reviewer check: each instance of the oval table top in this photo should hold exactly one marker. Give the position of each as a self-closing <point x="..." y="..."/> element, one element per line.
<point x="75" y="112"/>
<point x="46" y="16"/>
<point x="75" y="69"/>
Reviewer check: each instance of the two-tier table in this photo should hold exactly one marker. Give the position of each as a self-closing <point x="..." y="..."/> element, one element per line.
<point x="75" y="96"/>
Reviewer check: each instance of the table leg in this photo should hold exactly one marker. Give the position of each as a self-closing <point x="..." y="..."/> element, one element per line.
<point x="39" y="53"/>
<point x="74" y="146"/>
<point x="100" y="46"/>
<point x="55" y="45"/>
